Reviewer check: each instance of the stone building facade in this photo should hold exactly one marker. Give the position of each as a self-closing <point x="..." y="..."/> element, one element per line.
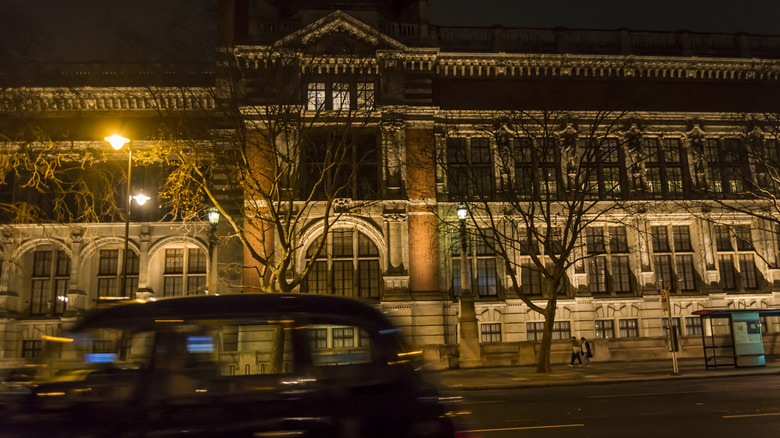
<point x="423" y="91"/>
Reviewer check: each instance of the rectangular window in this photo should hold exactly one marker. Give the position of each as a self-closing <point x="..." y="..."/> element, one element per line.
<point x="343" y="271"/>
<point x="340" y="96"/>
<point x="660" y="239"/>
<point x="196" y="261"/>
<point x="531" y="279"/>
<point x="491" y="332"/>
<point x="629" y="328"/>
<point x="486" y="277"/>
<point x="109" y="259"/>
<point x="682" y="238"/>
<point x="174" y="261"/>
<point x="692" y="325"/>
<point x="621" y="274"/>
<point x="597" y="274"/>
<point x="618" y="240"/>
<point x="743" y="238"/>
<point x="316" y="96"/>
<point x="728" y="276"/>
<point x="343" y="337"/>
<point x="663" y="271"/>
<point x="317" y="280"/>
<point x="605" y="328"/>
<point x="31" y="349"/>
<point x="561" y="330"/>
<point x="723" y="238"/>
<point x="49" y="282"/>
<point x="747" y="267"/>
<point x="365" y="95"/>
<point x="342" y="243"/>
<point x="173" y="286"/>
<point x="686" y="274"/>
<point x="665" y="326"/>
<point x="368" y="273"/>
<point x="534" y="331"/>
<point x="318" y="337"/>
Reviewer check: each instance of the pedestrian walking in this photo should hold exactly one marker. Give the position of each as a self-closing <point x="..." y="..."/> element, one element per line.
<point x="585" y="351"/>
<point x="575" y="351"/>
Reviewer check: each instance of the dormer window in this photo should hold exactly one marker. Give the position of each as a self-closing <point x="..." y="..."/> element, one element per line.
<point x="340" y="96"/>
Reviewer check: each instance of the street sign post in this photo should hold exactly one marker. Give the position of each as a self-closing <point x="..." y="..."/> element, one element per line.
<point x="671" y="331"/>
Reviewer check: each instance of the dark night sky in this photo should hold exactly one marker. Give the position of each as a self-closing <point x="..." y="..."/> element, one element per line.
<point x="731" y="16"/>
<point x="86" y="30"/>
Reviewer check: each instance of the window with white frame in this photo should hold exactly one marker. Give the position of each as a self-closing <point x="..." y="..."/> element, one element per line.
<point x="491" y="332"/>
<point x="609" y="271"/>
<point x="348" y="265"/>
<point x="184" y="272"/>
<point x="109" y="273"/>
<point x="340" y="96"/>
<point x="50" y="279"/>
<point x="736" y="258"/>
<point x="673" y="258"/>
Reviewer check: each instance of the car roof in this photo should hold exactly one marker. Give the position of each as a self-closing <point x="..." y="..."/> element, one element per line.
<point x="144" y="315"/>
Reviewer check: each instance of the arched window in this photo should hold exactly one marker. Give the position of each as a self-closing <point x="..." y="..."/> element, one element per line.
<point x="348" y="266"/>
<point x="49" y="279"/>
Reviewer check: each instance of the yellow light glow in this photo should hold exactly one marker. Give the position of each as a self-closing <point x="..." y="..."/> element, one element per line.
<point x="117" y="141"/>
<point x="51" y="394"/>
<point x="141" y="198"/>
<point x="410" y="353"/>
<point x="56" y="339"/>
<point x="168" y="320"/>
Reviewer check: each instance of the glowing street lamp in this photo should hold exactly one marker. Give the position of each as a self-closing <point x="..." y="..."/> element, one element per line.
<point x="213" y="216"/>
<point x="117" y="142"/>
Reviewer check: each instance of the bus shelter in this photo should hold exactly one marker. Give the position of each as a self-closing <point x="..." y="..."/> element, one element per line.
<point x="733" y="338"/>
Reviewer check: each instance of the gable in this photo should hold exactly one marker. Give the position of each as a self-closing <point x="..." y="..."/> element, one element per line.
<point x="339" y="33"/>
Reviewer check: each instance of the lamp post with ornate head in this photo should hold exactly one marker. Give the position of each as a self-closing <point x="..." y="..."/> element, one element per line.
<point x="470" y="355"/>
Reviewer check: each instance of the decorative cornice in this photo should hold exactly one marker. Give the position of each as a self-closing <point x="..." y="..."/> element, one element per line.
<point x="106" y="99"/>
<point x="605" y="67"/>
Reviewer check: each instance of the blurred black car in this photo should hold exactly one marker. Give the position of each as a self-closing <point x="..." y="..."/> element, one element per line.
<point x="267" y="365"/>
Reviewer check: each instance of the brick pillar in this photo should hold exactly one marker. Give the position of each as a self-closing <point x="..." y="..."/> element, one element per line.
<point x="421" y="189"/>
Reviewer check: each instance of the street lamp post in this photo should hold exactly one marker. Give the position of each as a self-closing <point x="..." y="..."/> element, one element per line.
<point x="213" y="217"/>
<point x="117" y="142"/>
<point x="470" y="355"/>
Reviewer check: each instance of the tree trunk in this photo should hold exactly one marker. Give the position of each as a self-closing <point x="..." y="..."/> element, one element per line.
<point x="543" y="366"/>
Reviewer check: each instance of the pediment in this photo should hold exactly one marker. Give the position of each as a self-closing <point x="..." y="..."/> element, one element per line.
<point x="339" y="33"/>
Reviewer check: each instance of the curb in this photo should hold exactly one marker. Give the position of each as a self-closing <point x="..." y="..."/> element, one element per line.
<point x="600" y="381"/>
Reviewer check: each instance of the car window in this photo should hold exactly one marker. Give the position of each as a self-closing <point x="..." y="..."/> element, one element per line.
<point x="252" y="348"/>
<point x="333" y="345"/>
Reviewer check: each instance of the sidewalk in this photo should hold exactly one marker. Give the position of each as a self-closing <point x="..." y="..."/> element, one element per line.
<point x="598" y="373"/>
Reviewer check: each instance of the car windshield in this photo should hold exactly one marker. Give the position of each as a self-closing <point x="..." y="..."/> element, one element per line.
<point x="74" y="355"/>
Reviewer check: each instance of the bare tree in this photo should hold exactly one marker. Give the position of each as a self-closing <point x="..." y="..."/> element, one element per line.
<point x="558" y="174"/>
<point x="294" y="156"/>
<point x="46" y="175"/>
